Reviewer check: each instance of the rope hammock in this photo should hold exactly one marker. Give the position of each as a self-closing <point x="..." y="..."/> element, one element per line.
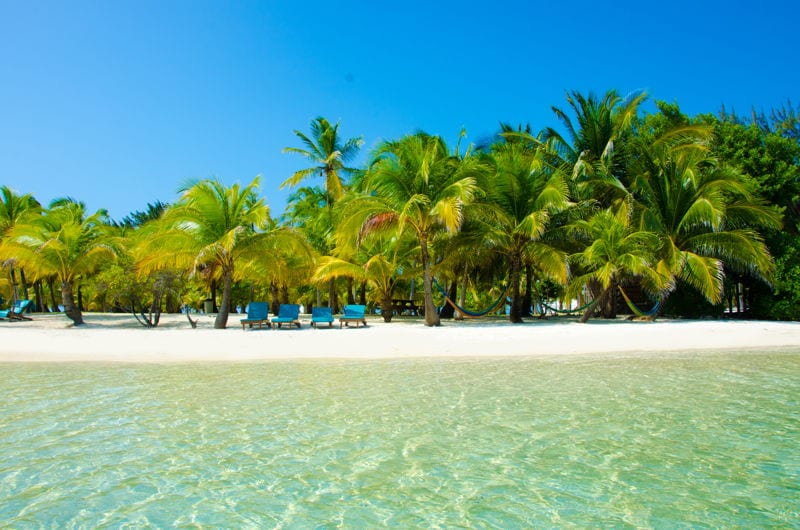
<point x="468" y="313"/>
<point x="566" y="311"/>
<point x="636" y="311"/>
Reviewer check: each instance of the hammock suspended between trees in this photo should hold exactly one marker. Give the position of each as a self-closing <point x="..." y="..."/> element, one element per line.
<point x="473" y="314"/>
<point x="636" y="311"/>
<point x="566" y="311"/>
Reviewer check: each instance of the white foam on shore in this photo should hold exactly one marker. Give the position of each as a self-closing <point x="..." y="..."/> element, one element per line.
<point x="119" y="338"/>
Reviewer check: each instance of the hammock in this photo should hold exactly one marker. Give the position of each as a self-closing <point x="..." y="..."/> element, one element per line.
<point x="466" y="312"/>
<point x="636" y="311"/>
<point x="566" y="311"/>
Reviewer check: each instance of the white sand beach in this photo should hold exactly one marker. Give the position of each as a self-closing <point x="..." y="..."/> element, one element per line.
<point x="119" y="338"/>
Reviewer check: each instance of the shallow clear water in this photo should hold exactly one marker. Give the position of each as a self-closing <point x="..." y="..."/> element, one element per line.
<point x="710" y="440"/>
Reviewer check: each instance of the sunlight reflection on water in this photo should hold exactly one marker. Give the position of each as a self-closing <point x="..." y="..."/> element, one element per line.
<point x="606" y="441"/>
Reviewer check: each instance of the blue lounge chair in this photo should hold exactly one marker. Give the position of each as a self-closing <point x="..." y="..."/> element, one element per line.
<point x="257" y="313"/>
<point x="321" y="315"/>
<point x="288" y="314"/>
<point x="16" y="311"/>
<point x="353" y="313"/>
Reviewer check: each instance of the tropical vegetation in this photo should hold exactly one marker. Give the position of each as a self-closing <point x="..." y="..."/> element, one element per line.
<point x="611" y="209"/>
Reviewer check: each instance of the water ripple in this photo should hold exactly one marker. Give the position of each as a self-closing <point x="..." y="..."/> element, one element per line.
<point x="706" y="440"/>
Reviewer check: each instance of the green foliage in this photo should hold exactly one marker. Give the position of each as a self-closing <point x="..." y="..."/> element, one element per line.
<point x="783" y="301"/>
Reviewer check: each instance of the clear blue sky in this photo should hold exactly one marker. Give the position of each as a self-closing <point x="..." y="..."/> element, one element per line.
<point x="117" y="103"/>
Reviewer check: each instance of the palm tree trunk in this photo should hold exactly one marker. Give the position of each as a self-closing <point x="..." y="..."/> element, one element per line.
<point x="462" y="294"/>
<point x="24" y="284"/>
<point x="72" y="312"/>
<point x="527" y="298"/>
<point x="387" y="311"/>
<point x="515" y="313"/>
<point x="332" y="296"/>
<point x="275" y="303"/>
<point x="351" y="297"/>
<point x="39" y="295"/>
<point x="284" y="293"/>
<point x="431" y="315"/>
<point x="214" y="308"/>
<point x="599" y="302"/>
<point x="362" y="293"/>
<point x="13" y="283"/>
<point x="52" y="295"/>
<point x="221" y="322"/>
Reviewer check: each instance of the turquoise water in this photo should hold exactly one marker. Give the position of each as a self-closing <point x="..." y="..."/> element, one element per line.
<point x="710" y="440"/>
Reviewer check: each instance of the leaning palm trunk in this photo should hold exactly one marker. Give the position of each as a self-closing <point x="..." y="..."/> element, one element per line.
<point x="431" y="315"/>
<point x="221" y="321"/>
<point x="599" y="303"/>
<point x="67" y="300"/>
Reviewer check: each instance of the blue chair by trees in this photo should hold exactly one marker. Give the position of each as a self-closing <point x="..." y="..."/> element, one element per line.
<point x="353" y="313"/>
<point x="321" y="315"/>
<point x="288" y="314"/>
<point x="257" y="313"/>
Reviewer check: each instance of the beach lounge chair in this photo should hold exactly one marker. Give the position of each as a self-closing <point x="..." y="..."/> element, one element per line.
<point x="321" y="315"/>
<point x="257" y="313"/>
<point x="288" y="314"/>
<point x="353" y="313"/>
<point x="16" y="311"/>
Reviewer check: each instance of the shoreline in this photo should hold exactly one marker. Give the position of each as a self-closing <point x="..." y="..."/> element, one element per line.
<point x="119" y="338"/>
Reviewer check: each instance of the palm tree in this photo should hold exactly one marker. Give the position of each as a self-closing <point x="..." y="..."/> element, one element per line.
<point x="62" y="242"/>
<point x="14" y="208"/>
<point x="329" y="154"/>
<point x="379" y="262"/>
<point x="414" y="184"/>
<point x="212" y="226"/>
<point x="613" y="251"/>
<point x="524" y="195"/>
<point x="594" y="149"/>
<point x="704" y="213"/>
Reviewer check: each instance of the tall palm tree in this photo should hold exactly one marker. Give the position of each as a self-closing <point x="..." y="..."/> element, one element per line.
<point x="524" y="195"/>
<point x="329" y="154"/>
<point x="594" y="148"/>
<point x="13" y="209"/>
<point x="414" y="184"/>
<point x="613" y="251"/>
<point x="64" y="242"/>
<point x="215" y="226"/>
<point x="705" y="214"/>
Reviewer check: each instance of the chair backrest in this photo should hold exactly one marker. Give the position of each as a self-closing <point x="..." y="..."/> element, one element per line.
<point x="289" y="311"/>
<point x="321" y="312"/>
<point x="257" y="310"/>
<point x="21" y="305"/>
<point x="354" y="310"/>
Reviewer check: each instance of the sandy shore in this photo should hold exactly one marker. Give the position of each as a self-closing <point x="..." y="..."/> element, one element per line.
<point x="120" y="338"/>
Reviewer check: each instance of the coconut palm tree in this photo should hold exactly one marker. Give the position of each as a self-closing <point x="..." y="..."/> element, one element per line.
<point x="14" y="208"/>
<point x="216" y="226"/>
<point x="329" y="154"/>
<point x="414" y="184"/>
<point x="704" y="213"/>
<point x="594" y="147"/>
<point x="380" y="262"/>
<point x="613" y="251"/>
<point x="64" y="242"/>
<point x="524" y="195"/>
